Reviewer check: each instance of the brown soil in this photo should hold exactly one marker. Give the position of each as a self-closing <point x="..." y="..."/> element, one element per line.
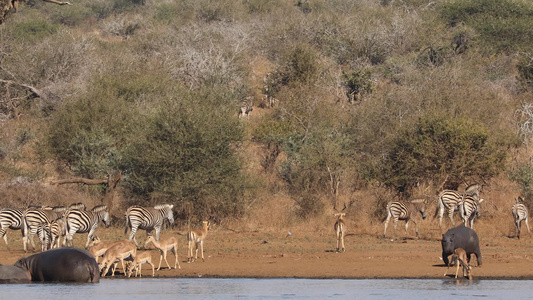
<point x="305" y="255"/>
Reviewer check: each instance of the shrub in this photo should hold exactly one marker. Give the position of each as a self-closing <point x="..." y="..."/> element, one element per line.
<point x="452" y="150"/>
<point x="34" y="29"/>
<point x="502" y="25"/>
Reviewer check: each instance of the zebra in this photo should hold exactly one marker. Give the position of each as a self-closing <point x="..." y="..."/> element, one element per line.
<point x="469" y="209"/>
<point x="401" y="210"/>
<point x="520" y="213"/>
<point x="10" y="218"/>
<point x="45" y="237"/>
<point x="32" y="217"/>
<point x="85" y="221"/>
<point x="449" y="200"/>
<point x="57" y="230"/>
<point x="138" y="217"/>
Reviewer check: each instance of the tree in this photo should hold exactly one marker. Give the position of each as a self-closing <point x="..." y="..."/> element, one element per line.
<point x="444" y="149"/>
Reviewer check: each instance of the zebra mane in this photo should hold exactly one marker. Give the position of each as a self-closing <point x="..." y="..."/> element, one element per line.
<point x="421" y="200"/>
<point x="59" y="208"/>
<point x="99" y="208"/>
<point x="78" y="206"/>
<point x="163" y="206"/>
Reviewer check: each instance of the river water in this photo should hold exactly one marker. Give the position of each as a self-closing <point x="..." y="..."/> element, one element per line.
<point x="210" y="288"/>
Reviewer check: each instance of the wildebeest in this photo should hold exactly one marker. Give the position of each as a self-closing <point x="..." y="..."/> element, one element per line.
<point x="61" y="265"/>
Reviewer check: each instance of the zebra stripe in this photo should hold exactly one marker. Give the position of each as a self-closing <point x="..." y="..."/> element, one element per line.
<point x="520" y="213"/>
<point x="469" y="209"/>
<point x="138" y="217"/>
<point x="10" y="218"/>
<point x="79" y="221"/>
<point x="33" y="217"/>
<point x="400" y="210"/>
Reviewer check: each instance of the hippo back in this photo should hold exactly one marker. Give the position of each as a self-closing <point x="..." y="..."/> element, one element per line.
<point x="61" y="265"/>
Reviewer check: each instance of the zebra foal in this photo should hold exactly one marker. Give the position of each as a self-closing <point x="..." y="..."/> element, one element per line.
<point x="33" y="217"/>
<point x="520" y="213"/>
<point x="148" y="218"/>
<point x="401" y="210"/>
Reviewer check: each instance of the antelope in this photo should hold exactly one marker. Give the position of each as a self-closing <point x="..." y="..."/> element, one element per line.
<point x="98" y="247"/>
<point x="340" y="229"/>
<point x="460" y="259"/>
<point x="119" y="251"/>
<point x="140" y="259"/>
<point x="196" y="237"/>
<point x="164" y="245"/>
<point x="245" y="110"/>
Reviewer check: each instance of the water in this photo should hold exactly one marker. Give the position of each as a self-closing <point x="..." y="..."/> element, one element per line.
<point x="209" y="288"/>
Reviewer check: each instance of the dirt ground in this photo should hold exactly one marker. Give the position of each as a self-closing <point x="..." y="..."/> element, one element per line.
<point x="310" y="255"/>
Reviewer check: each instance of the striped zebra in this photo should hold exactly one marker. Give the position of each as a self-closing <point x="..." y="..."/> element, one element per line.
<point x="10" y="218"/>
<point x="138" y="217"/>
<point x="82" y="221"/>
<point x="449" y="200"/>
<point x="469" y="209"/>
<point x="32" y="217"/>
<point x="45" y="237"/>
<point x="520" y="213"/>
<point x="401" y="210"/>
<point x="58" y="230"/>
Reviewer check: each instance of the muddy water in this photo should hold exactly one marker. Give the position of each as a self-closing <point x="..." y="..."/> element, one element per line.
<point x="208" y="288"/>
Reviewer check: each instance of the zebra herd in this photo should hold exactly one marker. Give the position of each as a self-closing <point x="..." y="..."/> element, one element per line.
<point x="467" y="203"/>
<point x="50" y="224"/>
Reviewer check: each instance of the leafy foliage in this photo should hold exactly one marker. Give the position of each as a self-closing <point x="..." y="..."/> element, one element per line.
<point x="453" y="150"/>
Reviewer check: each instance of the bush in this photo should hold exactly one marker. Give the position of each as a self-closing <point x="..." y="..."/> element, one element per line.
<point x="502" y="25"/>
<point x="34" y="29"/>
<point x="185" y="150"/>
<point x="449" y="150"/>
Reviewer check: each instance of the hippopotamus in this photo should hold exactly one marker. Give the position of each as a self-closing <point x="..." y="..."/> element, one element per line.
<point x="460" y="237"/>
<point x="13" y="274"/>
<point x="61" y="265"/>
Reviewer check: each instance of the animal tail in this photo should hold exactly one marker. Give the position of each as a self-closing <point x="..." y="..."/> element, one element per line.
<point x="437" y="208"/>
<point x="128" y="225"/>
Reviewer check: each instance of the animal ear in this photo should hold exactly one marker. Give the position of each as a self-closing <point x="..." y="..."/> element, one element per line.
<point x="480" y="200"/>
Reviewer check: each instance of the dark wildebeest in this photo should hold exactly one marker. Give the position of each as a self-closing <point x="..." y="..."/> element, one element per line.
<point x="13" y="274"/>
<point x="460" y="237"/>
<point x="61" y="265"/>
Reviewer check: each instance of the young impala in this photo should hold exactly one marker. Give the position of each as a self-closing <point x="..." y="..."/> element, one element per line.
<point x="460" y="259"/>
<point x="140" y="259"/>
<point x="196" y="238"/>
<point x="340" y="229"/>
<point x="117" y="252"/>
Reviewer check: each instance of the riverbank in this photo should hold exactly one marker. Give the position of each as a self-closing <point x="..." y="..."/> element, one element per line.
<point x="306" y="255"/>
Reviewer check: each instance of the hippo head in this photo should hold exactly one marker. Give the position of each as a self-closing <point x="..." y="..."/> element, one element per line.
<point x="22" y="263"/>
<point x="448" y="244"/>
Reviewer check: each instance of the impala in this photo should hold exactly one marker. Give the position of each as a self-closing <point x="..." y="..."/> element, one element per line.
<point x="196" y="237"/>
<point x="164" y="245"/>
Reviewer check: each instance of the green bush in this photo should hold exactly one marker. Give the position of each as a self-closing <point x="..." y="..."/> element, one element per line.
<point x="34" y="29"/>
<point x="502" y="25"/>
<point x="453" y="150"/>
<point x="72" y="15"/>
<point x="185" y="150"/>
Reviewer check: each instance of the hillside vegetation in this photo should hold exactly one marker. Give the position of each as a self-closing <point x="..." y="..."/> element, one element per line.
<point x="354" y="102"/>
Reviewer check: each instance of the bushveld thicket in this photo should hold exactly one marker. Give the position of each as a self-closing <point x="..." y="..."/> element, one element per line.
<point x="393" y="95"/>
